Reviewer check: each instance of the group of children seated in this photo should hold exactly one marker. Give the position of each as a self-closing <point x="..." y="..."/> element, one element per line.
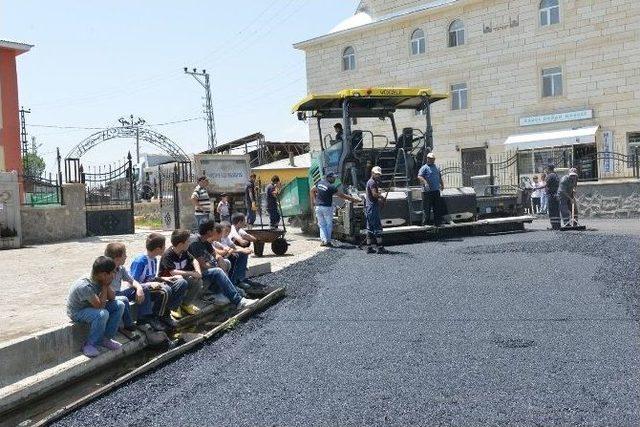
<point x="211" y="265"/>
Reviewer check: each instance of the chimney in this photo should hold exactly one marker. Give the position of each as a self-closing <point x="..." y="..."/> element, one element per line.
<point x="291" y="161"/>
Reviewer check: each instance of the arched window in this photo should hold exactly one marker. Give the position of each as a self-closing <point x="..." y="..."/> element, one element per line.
<point x="348" y="59"/>
<point x="456" y="33"/>
<point x="418" y="42"/>
<point x="549" y="12"/>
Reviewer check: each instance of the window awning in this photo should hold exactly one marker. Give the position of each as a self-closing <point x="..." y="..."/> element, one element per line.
<point x="556" y="138"/>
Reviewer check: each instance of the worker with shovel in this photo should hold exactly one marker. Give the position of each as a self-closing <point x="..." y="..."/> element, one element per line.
<point x="566" y="196"/>
<point x="373" y="201"/>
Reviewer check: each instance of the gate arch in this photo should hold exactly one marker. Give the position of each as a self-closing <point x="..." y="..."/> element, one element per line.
<point x="144" y="134"/>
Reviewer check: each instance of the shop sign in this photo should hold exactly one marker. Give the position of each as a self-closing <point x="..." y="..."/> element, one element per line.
<point x="607" y="142"/>
<point x="556" y="118"/>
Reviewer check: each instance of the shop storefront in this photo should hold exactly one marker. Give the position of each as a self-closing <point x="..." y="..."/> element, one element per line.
<point x="563" y="148"/>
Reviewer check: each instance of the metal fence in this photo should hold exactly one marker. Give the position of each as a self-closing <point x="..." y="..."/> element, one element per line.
<point x="512" y="168"/>
<point x="43" y="189"/>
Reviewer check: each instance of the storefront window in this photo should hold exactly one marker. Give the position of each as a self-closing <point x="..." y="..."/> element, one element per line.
<point x="525" y="162"/>
<point x="560" y="157"/>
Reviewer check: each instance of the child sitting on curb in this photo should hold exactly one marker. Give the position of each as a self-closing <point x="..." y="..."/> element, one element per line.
<point x="176" y="265"/>
<point x="167" y="296"/>
<point x="134" y="291"/>
<point x="210" y="232"/>
<point x="91" y="300"/>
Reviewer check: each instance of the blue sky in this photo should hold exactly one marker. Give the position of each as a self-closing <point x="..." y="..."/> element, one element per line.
<point x="94" y="62"/>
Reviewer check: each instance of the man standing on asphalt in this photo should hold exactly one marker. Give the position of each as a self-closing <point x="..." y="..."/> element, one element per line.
<point x="322" y="197"/>
<point x="250" y="200"/>
<point x="273" y="191"/>
<point x="430" y="177"/>
<point x="373" y="200"/>
<point x="553" y="182"/>
<point x="567" y="199"/>
<point x="201" y="201"/>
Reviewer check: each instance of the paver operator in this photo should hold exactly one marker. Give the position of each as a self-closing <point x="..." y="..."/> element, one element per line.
<point x="373" y="201"/>
<point x="322" y="197"/>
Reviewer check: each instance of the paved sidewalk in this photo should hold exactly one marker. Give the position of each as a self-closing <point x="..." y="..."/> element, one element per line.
<point x="36" y="279"/>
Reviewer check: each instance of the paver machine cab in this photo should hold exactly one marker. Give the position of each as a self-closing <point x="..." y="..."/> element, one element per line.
<point x="353" y="156"/>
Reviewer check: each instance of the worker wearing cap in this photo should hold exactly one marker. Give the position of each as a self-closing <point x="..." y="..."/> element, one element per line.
<point x="566" y="197"/>
<point x="322" y="196"/>
<point x="430" y="177"/>
<point x="553" y="182"/>
<point x="373" y="200"/>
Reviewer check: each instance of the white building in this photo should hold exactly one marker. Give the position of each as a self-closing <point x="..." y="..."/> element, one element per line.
<point x="557" y="80"/>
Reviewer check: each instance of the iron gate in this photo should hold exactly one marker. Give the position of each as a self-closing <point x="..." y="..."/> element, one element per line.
<point x="109" y="199"/>
<point x="168" y="178"/>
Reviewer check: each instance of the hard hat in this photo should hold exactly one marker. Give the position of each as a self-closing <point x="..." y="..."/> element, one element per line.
<point x="377" y="170"/>
<point x="431" y="156"/>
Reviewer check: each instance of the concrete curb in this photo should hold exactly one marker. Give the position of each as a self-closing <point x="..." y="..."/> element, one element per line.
<point x="165" y="357"/>
<point x="54" y="358"/>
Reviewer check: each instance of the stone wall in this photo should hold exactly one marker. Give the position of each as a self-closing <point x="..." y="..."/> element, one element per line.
<point x="149" y="211"/>
<point x="55" y="223"/>
<point x="187" y="219"/>
<point x="10" y="221"/>
<point x="609" y="200"/>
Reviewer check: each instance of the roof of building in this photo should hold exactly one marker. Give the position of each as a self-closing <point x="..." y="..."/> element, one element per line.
<point x="302" y="161"/>
<point x="362" y="19"/>
<point x="15" y="46"/>
<point x="250" y="141"/>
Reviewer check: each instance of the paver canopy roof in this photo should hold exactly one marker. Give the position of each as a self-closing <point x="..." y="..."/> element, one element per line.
<point x="371" y="102"/>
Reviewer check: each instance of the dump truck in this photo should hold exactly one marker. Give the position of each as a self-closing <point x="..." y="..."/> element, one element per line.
<point x="400" y="156"/>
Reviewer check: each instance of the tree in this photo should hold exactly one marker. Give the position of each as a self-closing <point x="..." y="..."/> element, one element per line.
<point x="33" y="164"/>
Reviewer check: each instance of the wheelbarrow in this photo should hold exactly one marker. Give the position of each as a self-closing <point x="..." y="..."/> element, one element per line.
<point x="275" y="236"/>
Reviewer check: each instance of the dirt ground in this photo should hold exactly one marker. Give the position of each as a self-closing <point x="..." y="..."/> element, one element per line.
<point x="36" y="279"/>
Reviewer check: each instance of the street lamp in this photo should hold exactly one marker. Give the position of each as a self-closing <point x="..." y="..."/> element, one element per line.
<point x="130" y="124"/>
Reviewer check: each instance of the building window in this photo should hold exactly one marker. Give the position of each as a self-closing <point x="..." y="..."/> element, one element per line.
<point x="348" y="59"/>
<point x="549" y="12"/>
<point x="634" y="142"/>
<point x="418" y="42"/>
<point x="456" y="33"/>
<point x="459" y="96"/>
<point x="552" y="82"/>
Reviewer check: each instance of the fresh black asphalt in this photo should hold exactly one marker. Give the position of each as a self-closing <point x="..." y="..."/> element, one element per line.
<point x="538" y="328"/>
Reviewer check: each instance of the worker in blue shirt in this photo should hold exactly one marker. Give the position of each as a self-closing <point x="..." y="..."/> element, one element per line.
<point x="373" y="200"/>
<point x="430" y="177"/>
<point x="322" y="196"/>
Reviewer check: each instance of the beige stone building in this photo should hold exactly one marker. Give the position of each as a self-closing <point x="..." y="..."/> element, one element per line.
<point x="555" y="80"/>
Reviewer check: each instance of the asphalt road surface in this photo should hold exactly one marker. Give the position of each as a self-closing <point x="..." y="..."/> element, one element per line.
<point x="524" y="329"/>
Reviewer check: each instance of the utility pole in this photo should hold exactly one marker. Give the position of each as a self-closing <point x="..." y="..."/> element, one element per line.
<point x="202" y="77"/>
<point x="134" y="124"/>
<point x="24" y="139"/>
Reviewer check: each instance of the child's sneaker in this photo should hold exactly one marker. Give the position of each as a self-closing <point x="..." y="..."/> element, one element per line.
<point x="111" y="344"/>
<point x="90" y="350"/>
<point x="245" y="303"/>
<point x="177" y="313"/>
<point x="190" y="309"/>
